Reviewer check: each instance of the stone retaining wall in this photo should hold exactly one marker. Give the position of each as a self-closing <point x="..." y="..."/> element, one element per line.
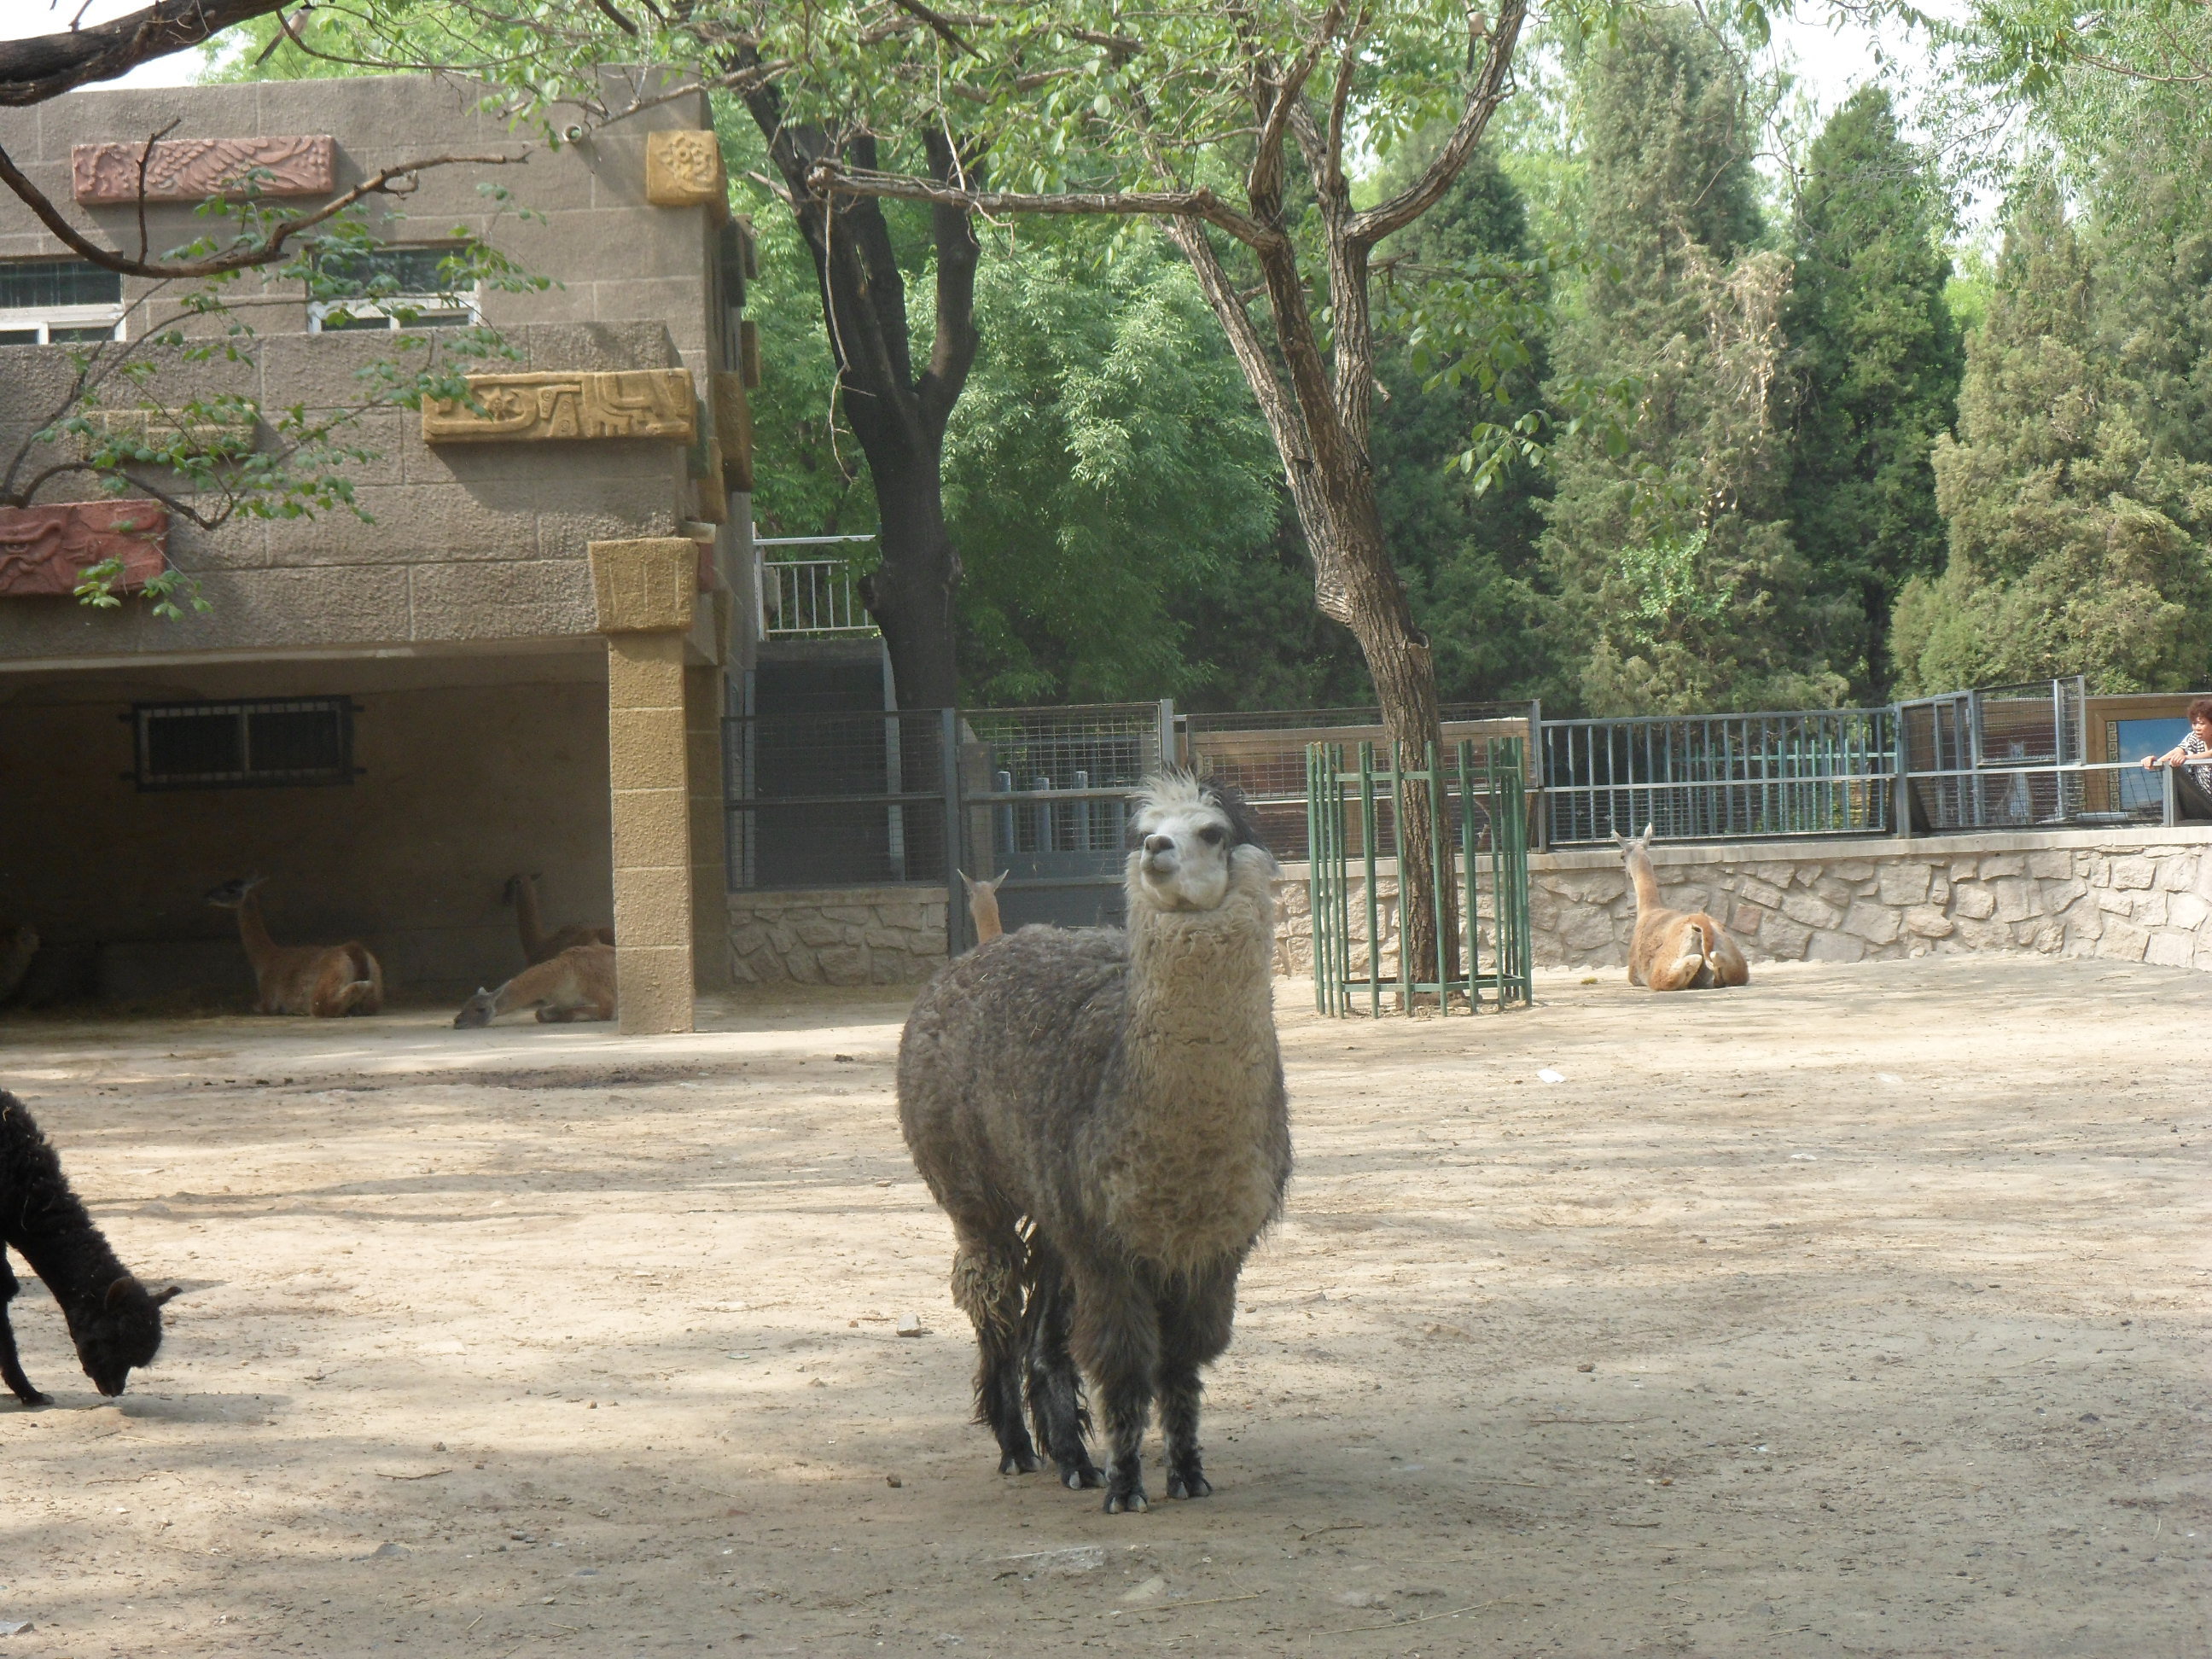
<point x="2130" y="895"/>
<point x="837" y="936"/>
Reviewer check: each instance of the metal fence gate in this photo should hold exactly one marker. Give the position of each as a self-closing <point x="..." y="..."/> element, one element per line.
<point x="1477" y="797"/>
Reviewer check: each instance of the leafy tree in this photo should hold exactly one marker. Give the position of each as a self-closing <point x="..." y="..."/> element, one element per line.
<point x="1878" y="356"/>
<point x="1466" y="540"/>
<point x="1105" y="463"/>
<point x="1677" y="585"/>
<point x="2077" y="542"/>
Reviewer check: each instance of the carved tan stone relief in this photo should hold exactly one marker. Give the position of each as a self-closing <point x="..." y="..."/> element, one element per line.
<point x="194" y="169"/>
<point x="46" y="549"/>
<point x="641" y="403"/>
<point x="683" y="169"/>
<point x="154" y="428"/>
<point x="647" y="584"/>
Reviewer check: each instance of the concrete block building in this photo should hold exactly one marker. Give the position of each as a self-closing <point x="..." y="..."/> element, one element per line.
<point x="515" y="664"/>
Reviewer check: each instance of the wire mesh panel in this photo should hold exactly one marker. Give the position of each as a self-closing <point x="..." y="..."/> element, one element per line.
<point x="1047" y="792"/>
<point x="1264" y="753"/>
<point x="1808" y="771"/>
<point x="840" y="799"/>
<point x="2014" y="757"/>
<point x="1477" y="792"/>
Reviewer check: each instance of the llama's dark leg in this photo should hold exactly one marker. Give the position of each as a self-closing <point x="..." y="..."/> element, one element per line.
<point x="1195" y="1325"/>
<point x="1055" y="1388"/>
<point x="1116" y="1337"/>
<point x="12" y="1367"/>
<point x="987" y="1284"/>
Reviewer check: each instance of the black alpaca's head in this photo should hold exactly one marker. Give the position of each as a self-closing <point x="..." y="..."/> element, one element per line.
<point x="118" y="1331"/>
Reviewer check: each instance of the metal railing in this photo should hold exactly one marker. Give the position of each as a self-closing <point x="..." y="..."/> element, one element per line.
<point x="1804" y="772"/>
<point x="1475" y="798"/>
<point x="808" y="598"/>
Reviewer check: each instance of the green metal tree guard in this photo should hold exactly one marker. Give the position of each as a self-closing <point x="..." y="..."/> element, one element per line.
<point x="1487" y="803"/>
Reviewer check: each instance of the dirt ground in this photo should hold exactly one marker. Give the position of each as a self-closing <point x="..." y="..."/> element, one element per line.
<point x="1860" y="1312"/>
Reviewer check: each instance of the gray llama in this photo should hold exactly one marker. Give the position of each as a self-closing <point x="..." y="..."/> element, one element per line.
<point x="1101" y="1115"/>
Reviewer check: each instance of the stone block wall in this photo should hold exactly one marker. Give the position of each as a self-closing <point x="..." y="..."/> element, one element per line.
<point x="837" y="936"/>
<point x="2130" y="895"/>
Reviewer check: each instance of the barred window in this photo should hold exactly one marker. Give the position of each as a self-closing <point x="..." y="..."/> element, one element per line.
<point x="400" y="288"/>
<point x="54" y="301"/>
<point x="243" y="745"/>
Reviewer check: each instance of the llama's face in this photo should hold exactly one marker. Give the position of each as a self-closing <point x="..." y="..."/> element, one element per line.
<point x="476" y="1011"/>
<point x="1184" y="838"/>
<point x="232" y="894"/>
<point x="124" y="1331"/>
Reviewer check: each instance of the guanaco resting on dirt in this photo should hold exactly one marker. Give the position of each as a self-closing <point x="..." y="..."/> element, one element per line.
<point x="1675" y="949"/>
<point x="538" y="944"/>
<point x="984" y="904"/>
<point x="578" y="984"/>
<point x="322" y="980"/>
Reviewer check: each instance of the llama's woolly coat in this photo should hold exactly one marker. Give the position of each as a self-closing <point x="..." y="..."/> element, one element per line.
<point x="113" y="1320"/>
<point x="1032" y="1080"/>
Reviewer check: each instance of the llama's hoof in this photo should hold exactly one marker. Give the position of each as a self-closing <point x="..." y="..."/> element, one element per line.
<point x="1018" y="1463"/>
<point x="34" y="1398"/>
<point x="1077" y="1476"/>
<point x="1188" y="1483"/>
<point x="1129" y="1503"/>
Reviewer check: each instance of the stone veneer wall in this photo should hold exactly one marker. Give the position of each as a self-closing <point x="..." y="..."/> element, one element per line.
<point x="2130" y="895"/>
<point x="837" y="935"/>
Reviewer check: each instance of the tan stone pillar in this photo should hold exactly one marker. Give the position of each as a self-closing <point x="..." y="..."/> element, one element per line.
<point x="646" y="591"/>
<point x="710" y="898"/>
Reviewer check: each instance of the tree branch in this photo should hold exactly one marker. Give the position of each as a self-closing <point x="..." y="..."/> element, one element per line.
<point x="832" y="178"/>
<point x="47" y="65"/>
<point x="260" y="251"/>
<point x="1409" y="205"/>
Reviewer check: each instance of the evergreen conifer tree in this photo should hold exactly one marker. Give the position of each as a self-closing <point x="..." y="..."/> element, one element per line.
<point x="1879" y="359"/>
<point x="2076" y="542"/>
<point x="1677" y="584"/>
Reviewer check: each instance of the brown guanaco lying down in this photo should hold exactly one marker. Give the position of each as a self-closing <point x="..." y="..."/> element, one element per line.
<point x="538" y="944"/>
<point x="578" y="984"/>
<point x="1675" y="949"/>
<point x="984" y="904"/>
<point x="322" y="980"/>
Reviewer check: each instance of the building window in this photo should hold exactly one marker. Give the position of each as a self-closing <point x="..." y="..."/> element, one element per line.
<point x="58" y="301"/>
<point x="399" y="288"/>
<point x="243" y="745"/>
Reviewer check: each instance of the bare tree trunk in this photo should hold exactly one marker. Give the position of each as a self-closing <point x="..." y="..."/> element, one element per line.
<point x="899" y="416"/>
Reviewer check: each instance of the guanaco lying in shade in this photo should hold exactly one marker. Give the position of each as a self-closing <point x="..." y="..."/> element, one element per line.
<point x="984" y="904"/>
<point x="538" y="944"/>
<point x="322" y="980"/>
<point x="1675" y="949"/>
<point x="578" y="984"/>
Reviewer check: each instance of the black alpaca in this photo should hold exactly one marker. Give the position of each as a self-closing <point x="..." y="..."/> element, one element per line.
<point x="113" y="1320"/>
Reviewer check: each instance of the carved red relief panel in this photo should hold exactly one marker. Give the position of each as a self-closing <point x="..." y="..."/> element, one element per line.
<point x="193" y="169"/>
<point x="44" y="549"/>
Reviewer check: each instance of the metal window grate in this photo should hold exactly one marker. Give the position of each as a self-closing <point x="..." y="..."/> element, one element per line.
<point x="242" y="746"/>
<point x="39" y="284"/>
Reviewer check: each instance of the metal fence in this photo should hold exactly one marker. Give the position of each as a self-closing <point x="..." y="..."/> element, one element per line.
<point x="1480" y="855"/>
<point x="1264" y="753"/>
<point x="843" y="799"/>
<point x="804" y="598"/>
<point x="1047" y="798"/>
<point x="1805" y="772"/>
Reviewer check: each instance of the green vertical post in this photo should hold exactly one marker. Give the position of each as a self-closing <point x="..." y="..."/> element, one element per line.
<point x="1367" y="834"/>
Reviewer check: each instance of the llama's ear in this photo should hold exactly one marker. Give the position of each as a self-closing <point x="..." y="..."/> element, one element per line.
<point x="1243" y="827"/>
<point x="120" y="1291"/>
<point x="173" y="1291"/>
<point x="968" y="882"/>
<point x="998" y="880"/>
<point x="1647" y="829"/>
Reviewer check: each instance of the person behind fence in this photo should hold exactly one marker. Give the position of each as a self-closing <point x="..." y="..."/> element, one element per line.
<point x="2193" y="751"/>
